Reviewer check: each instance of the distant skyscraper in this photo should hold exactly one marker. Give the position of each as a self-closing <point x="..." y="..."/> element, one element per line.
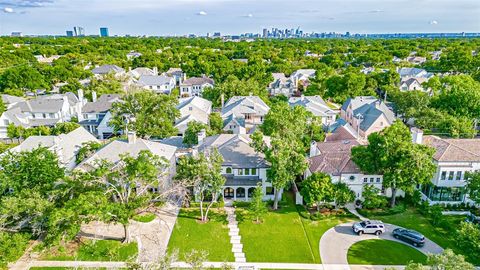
<point x="16" y="34"/>
<point x="265" y="32"/>
<point x="79" y="31"/>
<point x="69" y="33"/>
<point x="104" y="32"/>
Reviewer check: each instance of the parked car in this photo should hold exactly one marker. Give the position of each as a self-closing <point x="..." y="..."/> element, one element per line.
<point x="369" y="226"/>
<point x="410" y="236"/>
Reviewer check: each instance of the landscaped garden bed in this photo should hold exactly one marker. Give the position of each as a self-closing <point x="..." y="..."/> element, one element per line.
<point x="92" y="250"/>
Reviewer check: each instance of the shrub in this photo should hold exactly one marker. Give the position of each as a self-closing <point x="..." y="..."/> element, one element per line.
<point x="12" y="246"/>
<point x="302" y="211"/>
<point x="372" y="199"/>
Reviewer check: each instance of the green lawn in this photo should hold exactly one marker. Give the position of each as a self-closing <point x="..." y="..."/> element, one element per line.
<point x="144" y="217"/>
<point x="99" y="250"/>
<point x="411" y="219"/>
<point x="383" y="252"/>
<point x="283" y="236"/>
<point x="189" y="234"/>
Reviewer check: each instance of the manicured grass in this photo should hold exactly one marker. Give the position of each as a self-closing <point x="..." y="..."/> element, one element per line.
<point x="383" y="252"/>
<point x="99" y="250"/>
<point x="283" y="236"/>
<point x="442" y="235"/>
<point x="190" y="234"/>
<point x="144" y="217"/>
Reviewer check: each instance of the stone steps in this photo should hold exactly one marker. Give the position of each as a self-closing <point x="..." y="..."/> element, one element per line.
<point x="234" y="233"/>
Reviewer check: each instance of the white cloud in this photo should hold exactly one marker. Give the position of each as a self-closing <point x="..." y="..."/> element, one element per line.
<point x="250" y="15"/>
<point x="8" y="10"/>
<point x="202" y="13"/>
<point x="433" y="22"/>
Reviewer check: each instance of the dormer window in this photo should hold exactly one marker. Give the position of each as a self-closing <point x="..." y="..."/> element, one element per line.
<point x="228" y="170"/>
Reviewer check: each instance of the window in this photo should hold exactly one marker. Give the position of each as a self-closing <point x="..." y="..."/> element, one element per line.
<point x="228" y="170"/>
<point x="365" y="180"/>
<point x="378" y="179"/>
<point x="450" y="175"/>
<point x="240" y="171"/>
<point x="371" y="179"/>
<point x="444" y="176"/>
<point x="254" y="171"/>
<point x="269" y="191"/>
<point x="459" y="175"/>
<point x="247" y="171"/>
<point x="52" y="115"/>
<point x="352" y="178"/>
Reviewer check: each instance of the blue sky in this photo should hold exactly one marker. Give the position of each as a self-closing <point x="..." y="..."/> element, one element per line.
<point x="178" y="17"/>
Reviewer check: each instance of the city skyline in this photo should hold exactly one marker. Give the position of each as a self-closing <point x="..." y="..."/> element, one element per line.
<point x="181" y="17"/>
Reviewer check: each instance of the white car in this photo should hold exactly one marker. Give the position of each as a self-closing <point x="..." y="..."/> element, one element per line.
<point x="369" y="226"/>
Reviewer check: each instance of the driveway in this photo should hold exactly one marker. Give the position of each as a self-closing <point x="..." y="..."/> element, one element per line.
<point x="335" y="243"/>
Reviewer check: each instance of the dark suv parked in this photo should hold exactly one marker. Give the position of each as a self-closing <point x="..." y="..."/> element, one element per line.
<point x="412" y="237"/>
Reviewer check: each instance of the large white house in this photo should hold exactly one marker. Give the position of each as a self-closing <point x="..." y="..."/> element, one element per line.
<point x="317" y="106"/>
<point x="243" y="167"/>
<point x="289" y="86"/>
<point x="243" y="113"/>
<point x="42" y="111"/>
<point x="65" y="146"/>
<point x="95" y="116"/>
<point x="335" y="159"/>
<point x="194" y="86"/>
<point x="192" y="109"/>
<point x="453" y="157"/>
<point x="113" y="151"/>
<point x="157" y="83"/>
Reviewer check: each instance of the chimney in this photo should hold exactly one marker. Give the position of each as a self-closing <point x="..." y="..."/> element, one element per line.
<point x="80" y="95"/>
<point x="201" y="136"/>
<point x="417" y="135"/>
<point x="313" y="149"/>
<point x="155" y="71"/>
<point x="131" y="137"/>
<point x="129" y="69"/>
<point x="94" y="96"/>
<point x="222" y="98"/>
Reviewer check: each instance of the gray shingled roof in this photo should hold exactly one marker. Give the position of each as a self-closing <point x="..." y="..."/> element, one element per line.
<point x="105" y="69"/>
<point x="103" y="104"/>
<point x="239" y="105"/>
<point x="236" y="150"/>
<point x="371" y="112"/>
<point x="313" y="104"/>
<point x="154" y="80"/>
<point x="198" y="81"/>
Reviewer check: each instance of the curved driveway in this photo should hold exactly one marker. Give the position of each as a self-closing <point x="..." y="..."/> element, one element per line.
<point x="335" y="243"/>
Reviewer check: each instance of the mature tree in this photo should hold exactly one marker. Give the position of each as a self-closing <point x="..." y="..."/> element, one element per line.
<point x="460" y="96"/>
<point x="473" y="186"/>
<point x="22" y="77"/>
<point x="86" y="150"/>
<point x="258" y="208"/>
<point x="392" y="154"/>
<point x="64" y="128"/>
<point x="146" y="113"/>
<point x="440" y="122"/>
<point x="342" y="194"/>
<point x="215" y="123"/>
<point x="468" y="238"/>
<point x="409" y="104"/>
<point x="190" y="137"/>
<point x="127" y="185"/>
<point x="233" y="86"/>
<point x="286" y="157"/>
<point x="372" y="198"/>
<point x="448" y="261"/>
<point x="316" y="189"/>
<point x="203" y="174"/>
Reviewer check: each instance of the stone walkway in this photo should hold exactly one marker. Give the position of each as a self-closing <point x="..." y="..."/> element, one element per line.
<point x="152" y="237"/>
<point x="234" y="233"/>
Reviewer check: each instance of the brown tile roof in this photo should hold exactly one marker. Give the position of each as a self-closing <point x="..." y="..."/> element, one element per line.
<point x="454" y="149"/>
<point x="340" y="134"/>
<point x="335" y="158"/>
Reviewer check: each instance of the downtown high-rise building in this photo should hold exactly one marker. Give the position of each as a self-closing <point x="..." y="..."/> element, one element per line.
<point x="79" y="31"/>
<point x="69" y="33"/>
<point x="104" y="32"/>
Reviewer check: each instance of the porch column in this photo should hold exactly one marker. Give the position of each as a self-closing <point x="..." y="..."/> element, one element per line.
<point x="234" y="193"/>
